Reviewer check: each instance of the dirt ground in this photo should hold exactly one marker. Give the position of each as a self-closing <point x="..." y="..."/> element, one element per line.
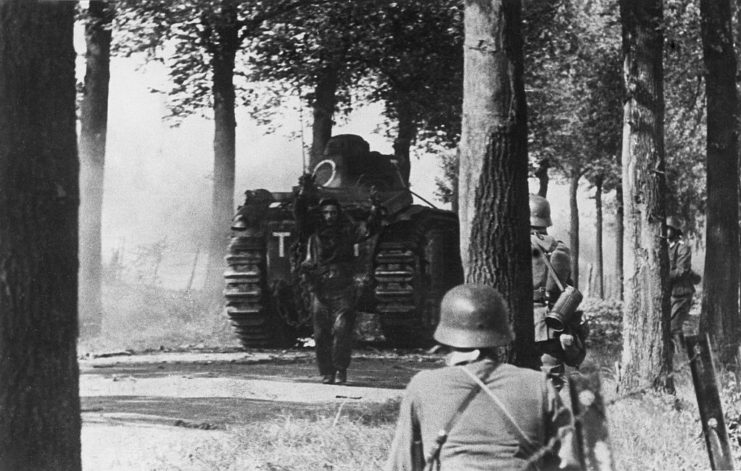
<point x="137" y="407"/>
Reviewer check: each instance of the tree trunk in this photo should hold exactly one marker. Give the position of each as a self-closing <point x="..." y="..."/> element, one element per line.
<point x="39" y="198"/>
<point x="619" y="233"/>
<point x="574" y="226"/>
<point x="493" y="193"/>
<point x="323" y="106"/>
<point x="222" y="208"/>
<point x="720" y="316"/>
<point x="455" y="184"/>
<point x="542" y="175"/>
<point x="647" y="352"/>
<point x="406" y="134"/>
<point x="93" y="128"/>
<point x="598" y="242"/>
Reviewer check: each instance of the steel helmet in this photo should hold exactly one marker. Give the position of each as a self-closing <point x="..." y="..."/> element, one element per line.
<point x="674" y="222"/>
<point x="540" y="212"/>
<point x="473" y="316"/>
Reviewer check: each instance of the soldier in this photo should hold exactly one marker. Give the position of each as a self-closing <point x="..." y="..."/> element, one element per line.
<point x="477" y="412"/>
<point x="556" y="348"/>
<point x="680" y="278"/>
<point x="328" y="270"/>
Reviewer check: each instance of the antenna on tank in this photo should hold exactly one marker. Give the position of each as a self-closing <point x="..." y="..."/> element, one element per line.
<point x="301" y="120"/>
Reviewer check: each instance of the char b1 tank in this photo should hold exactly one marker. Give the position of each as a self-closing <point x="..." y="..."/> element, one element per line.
<point x="401" y="273"/>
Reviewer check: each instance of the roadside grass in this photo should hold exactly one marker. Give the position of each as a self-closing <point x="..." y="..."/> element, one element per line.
<point x="649" y="431"/>
<point x="142" y="317"/>
<point x="353" y="437"/>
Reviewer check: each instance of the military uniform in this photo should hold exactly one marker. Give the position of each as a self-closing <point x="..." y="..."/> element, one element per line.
<point x="333" y="295"/>
<point x="482" y="439"/>
<point x="680" y="277"/>
<point x="478" y="413"/>
<point x="545" y="293"/>
<point x="328" y="269"/>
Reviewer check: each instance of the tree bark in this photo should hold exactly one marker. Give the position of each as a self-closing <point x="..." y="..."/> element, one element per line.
<point x="93" y="129"/>
<point x="619" y="233"/>
<point x="323" y="105"/>
<point x="647" y="352"/>
<point x="720" y="315"/>
<point x="598" y="242"/>
<point x="574" y="225"/>
<point x="39" y="198"/>
<point x="222" y="64"/>
<point x="493" y="193"/>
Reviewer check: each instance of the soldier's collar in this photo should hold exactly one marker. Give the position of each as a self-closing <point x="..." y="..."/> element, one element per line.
<point x="457" y="357"/>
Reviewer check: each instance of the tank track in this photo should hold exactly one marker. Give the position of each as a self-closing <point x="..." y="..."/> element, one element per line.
<point x="411" y="279"/>
<point x="246" y="295"/>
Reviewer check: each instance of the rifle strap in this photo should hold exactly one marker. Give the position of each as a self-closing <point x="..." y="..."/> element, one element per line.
<point x="546" y="259"/>
<point x="434" y="454"/>
<point x="530" y="447"/>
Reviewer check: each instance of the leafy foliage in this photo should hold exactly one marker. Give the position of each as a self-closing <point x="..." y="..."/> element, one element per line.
<point x="187" y="35"/>
<point x="416" y="60"/>
<point x="407" y="55"/>
<point x="605" y="321"/>
<point x="684" y="94"/>
<point x="575" y="87"/>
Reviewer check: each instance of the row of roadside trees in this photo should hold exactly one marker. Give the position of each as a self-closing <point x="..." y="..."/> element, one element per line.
<point x="407" y="55"/>
<point x="494" y="58"/>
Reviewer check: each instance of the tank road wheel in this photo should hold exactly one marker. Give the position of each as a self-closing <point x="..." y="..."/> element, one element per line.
<point x="248" y="298"/>
<point x="414" y="267"/>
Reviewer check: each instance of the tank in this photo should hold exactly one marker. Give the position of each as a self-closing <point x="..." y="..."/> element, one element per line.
<point x="401" y="273"/>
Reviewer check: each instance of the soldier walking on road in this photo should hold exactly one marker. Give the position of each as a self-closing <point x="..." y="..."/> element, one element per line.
<point x="681" y="278"/>
<point x="551" y="268"/>
<point x="478" y="413"/>
<point x="328" y="270"/>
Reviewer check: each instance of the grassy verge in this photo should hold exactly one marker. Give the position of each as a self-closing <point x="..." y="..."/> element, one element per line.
<point x="337" y="438"/>
<point x="650" y="431"/>
<point x="142" y="317"/>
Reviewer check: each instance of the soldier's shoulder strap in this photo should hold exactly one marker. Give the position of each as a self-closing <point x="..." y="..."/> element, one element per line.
<point x="433" y="456"/>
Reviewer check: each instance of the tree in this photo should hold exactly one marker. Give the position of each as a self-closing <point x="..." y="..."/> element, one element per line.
<point x="93" y="129"/>
<point x="647" y="355"/>
<point x="206" y="36"/>
<point x="493" y="194"/>
<point x="685" y="116"/>
<point x="39" y="191"/>
<point x="313" y="52"/>
<point x="415" y="55"/>
<point x="574" y="96"/>
<point x="379" y="51"/>
<point x="720" y="316"/>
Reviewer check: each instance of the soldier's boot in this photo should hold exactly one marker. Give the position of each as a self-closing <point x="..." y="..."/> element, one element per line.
<point x="328" y="379"/>
<point x="341" y="377"/>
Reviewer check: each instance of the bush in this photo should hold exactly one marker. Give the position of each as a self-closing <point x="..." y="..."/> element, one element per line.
<point x="145" y="317"/>
<point x="605" y="320"/>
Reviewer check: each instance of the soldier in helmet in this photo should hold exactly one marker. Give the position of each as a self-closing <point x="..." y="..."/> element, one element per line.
<point x="477" y="412"/>
<point x="328" y="270"/>
<point x="680" y="277"/>
<point x="556" y="348"/>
